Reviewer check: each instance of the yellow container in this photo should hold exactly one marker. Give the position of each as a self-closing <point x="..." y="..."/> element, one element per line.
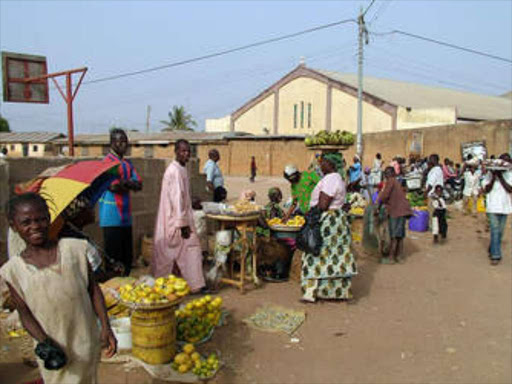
<point x="357" y="229"/>
<point x="480" y="205"/>
<point x="154" y="335"/>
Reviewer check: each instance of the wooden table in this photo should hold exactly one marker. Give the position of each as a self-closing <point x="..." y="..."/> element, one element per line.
<point x="243" y="225"/>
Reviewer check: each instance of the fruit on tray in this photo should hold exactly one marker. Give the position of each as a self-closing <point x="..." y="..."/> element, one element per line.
<point x="189" y="359"/>
<point x="197" y="318"/>
<point x="296" y="221"/>
<point x="330" y="138"/>
<point x="165" y="290"/>
<point x="358" y="211"/>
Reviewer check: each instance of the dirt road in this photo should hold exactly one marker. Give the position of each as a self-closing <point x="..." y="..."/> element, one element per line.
<point x="445" y="316"/>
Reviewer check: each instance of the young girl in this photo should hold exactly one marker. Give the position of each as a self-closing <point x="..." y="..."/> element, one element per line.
<point x="439" y="224"/>
<point x="56" y="296"/>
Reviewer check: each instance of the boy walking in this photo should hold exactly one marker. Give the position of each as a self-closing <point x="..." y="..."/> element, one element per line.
<point x="439" y="224"/>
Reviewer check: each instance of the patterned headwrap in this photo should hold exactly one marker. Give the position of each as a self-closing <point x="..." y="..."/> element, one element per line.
<point x="336" y="159"/>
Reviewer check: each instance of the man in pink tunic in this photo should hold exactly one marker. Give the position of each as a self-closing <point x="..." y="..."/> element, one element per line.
<point x="176" y="240"/>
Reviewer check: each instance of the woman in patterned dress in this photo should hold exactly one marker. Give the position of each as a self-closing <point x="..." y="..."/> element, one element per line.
<point x="328" y="276"/>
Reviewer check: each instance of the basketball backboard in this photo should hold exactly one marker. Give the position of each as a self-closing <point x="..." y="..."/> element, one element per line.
<point x="16" y="68"/>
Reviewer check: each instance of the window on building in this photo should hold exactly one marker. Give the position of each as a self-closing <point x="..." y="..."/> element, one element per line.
<point x="35" y="148"/>
<point x="309" y="115"/>
<point x="84" y="151"/>
<point x="13" y="147"/>
<point x="295" y="115"/>
<point x="302" y="114"/>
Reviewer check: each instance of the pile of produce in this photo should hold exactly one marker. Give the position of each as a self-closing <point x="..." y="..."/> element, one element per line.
<point x="296" y="221"/>
<point x="416" y="199"/>
<point x="244" y="206"/>
<point x="114" y="307"/>
<point x="164" y="290"/>
<point x="330" y="138"/>
<point x="190" y="359"/>
<point x="196" y="320"/>
<point x="357" y="211"/>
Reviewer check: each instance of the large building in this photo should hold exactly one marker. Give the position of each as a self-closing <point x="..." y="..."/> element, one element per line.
<point x="307" y="100"/>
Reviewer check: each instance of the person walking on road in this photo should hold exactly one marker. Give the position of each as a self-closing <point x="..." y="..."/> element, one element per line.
<point x="498" y="188"/>
<point x="253" y="169"/>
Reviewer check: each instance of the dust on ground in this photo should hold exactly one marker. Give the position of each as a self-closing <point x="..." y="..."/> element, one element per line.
<point x="445" y="316"/>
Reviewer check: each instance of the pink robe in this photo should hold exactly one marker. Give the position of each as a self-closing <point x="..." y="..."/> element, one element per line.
<point x="175" y="212"/>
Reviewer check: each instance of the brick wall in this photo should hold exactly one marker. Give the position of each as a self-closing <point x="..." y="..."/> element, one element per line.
<point x="144" y="203"/>
<point x="272" y="155"/>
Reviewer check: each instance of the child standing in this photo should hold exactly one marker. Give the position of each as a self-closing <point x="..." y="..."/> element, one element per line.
<point x="470" y="192"/>
<point x="439" y="224"/>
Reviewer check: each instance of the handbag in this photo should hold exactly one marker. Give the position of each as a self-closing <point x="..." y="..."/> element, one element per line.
<point x="309" y="238"/>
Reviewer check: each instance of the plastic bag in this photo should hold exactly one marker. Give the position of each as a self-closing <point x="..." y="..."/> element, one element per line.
<point x="309" y="238"/>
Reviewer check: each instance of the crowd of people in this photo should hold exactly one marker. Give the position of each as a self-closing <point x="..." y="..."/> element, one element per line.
<point x="48" y="275"/>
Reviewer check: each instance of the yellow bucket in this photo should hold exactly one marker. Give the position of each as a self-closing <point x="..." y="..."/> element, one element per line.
<point x="357" y="229"/>
<point x="154" y="335"/>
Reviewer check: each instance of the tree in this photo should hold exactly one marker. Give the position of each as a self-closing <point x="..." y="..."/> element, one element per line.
<point x="4" y="125"/>
<point x="179" y="120"/>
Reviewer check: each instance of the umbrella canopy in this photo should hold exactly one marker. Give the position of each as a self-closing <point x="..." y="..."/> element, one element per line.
<point x="60" y="189"/>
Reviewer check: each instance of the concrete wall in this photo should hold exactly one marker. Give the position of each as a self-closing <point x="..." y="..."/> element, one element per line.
<point x="301" y="92"/>
<point x="218" y="125"/>
<point x="257" y="118"/>
<point x="344" y="114"/>
<point x="144" y="203"/>
<point x="273" y="154"/>
<point x="417" y="117"/>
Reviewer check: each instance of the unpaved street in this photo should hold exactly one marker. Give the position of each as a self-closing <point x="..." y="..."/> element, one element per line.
<point x="445" y="316"/>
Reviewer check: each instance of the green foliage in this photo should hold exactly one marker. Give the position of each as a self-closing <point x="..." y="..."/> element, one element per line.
<point x="179" y="120"/>
<point x="342" y="138"/>
<point x="4" y="125"/>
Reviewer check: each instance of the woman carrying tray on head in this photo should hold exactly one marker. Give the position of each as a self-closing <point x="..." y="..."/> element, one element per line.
<point x="328" y="276"/>
<point x="302" y="185"/>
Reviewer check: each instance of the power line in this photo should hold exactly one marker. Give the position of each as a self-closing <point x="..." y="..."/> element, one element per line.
<point x="450" y="45"/>
<point x="364" y="13"/>
<point x="221" y="53"/>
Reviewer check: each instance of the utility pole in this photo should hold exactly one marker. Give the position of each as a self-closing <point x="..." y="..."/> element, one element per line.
<point x="363" y="34"/>
<point x="148" y="113"/>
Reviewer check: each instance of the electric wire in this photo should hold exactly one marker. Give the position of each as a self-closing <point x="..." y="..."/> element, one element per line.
<point x="443" y="43"/>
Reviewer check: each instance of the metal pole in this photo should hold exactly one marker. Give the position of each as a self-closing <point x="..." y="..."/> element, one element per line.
<point x="359" y="141"/>
<point x="69" y="103"/>
<point x="147" y="118"/>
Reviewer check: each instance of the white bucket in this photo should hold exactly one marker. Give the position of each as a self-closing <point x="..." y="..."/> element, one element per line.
<point x="122" y="331"/>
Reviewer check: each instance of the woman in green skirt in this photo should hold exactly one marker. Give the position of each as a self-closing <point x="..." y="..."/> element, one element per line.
<point x="329" y="275"/>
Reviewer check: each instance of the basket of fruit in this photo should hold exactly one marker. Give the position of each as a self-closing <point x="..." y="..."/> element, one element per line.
<point x="147" y="293"/>
<point x="330" y="141"/>
<point x="197" y="319"/>
<point x="205" y="367"/>
<point x="242" y="209"/>
<point x="292" y="225"/>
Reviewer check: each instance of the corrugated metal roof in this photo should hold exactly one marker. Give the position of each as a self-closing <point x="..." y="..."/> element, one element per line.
<point x="29" y="137"/>
<point x="469" y="105"/>
<point x="156" y="137"/>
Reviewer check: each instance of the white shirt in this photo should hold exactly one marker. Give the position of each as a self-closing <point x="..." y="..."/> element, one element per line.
<point x="434" y="178"/>
<point x="498" y="199"/>
<point x="333" y="186"/>
<point x="471" y="183"/>
<point x="213" y="174"/>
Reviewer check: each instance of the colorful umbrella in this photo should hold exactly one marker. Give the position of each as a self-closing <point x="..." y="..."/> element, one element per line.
<point x="60" y="189"/>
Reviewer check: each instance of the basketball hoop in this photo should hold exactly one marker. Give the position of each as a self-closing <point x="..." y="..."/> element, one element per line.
<point x="25" y="80"/>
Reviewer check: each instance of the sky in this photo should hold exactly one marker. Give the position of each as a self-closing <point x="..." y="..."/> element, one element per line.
<point x="116" y="37"/>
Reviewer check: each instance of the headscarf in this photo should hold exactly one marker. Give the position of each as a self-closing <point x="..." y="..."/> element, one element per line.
<point x="273" y="191"/>
<point x="336" y="159"/>
<point x="290" y="169"/>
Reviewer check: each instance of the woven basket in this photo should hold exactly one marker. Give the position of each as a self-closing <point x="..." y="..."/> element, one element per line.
<point x="147" y="249"/>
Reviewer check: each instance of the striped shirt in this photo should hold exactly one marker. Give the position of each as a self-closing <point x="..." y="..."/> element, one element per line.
<point x="115" y="209"/>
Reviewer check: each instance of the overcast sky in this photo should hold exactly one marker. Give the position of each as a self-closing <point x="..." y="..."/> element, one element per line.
<point x="115" y="37"/>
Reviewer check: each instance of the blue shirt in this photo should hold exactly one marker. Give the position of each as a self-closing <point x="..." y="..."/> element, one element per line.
<point x="213" y="174"/>
<point x="355" y="172"/>
<point x="115" y="209"/>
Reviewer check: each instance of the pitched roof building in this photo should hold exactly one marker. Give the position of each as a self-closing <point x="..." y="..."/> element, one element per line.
<point x="307" y="100"/>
